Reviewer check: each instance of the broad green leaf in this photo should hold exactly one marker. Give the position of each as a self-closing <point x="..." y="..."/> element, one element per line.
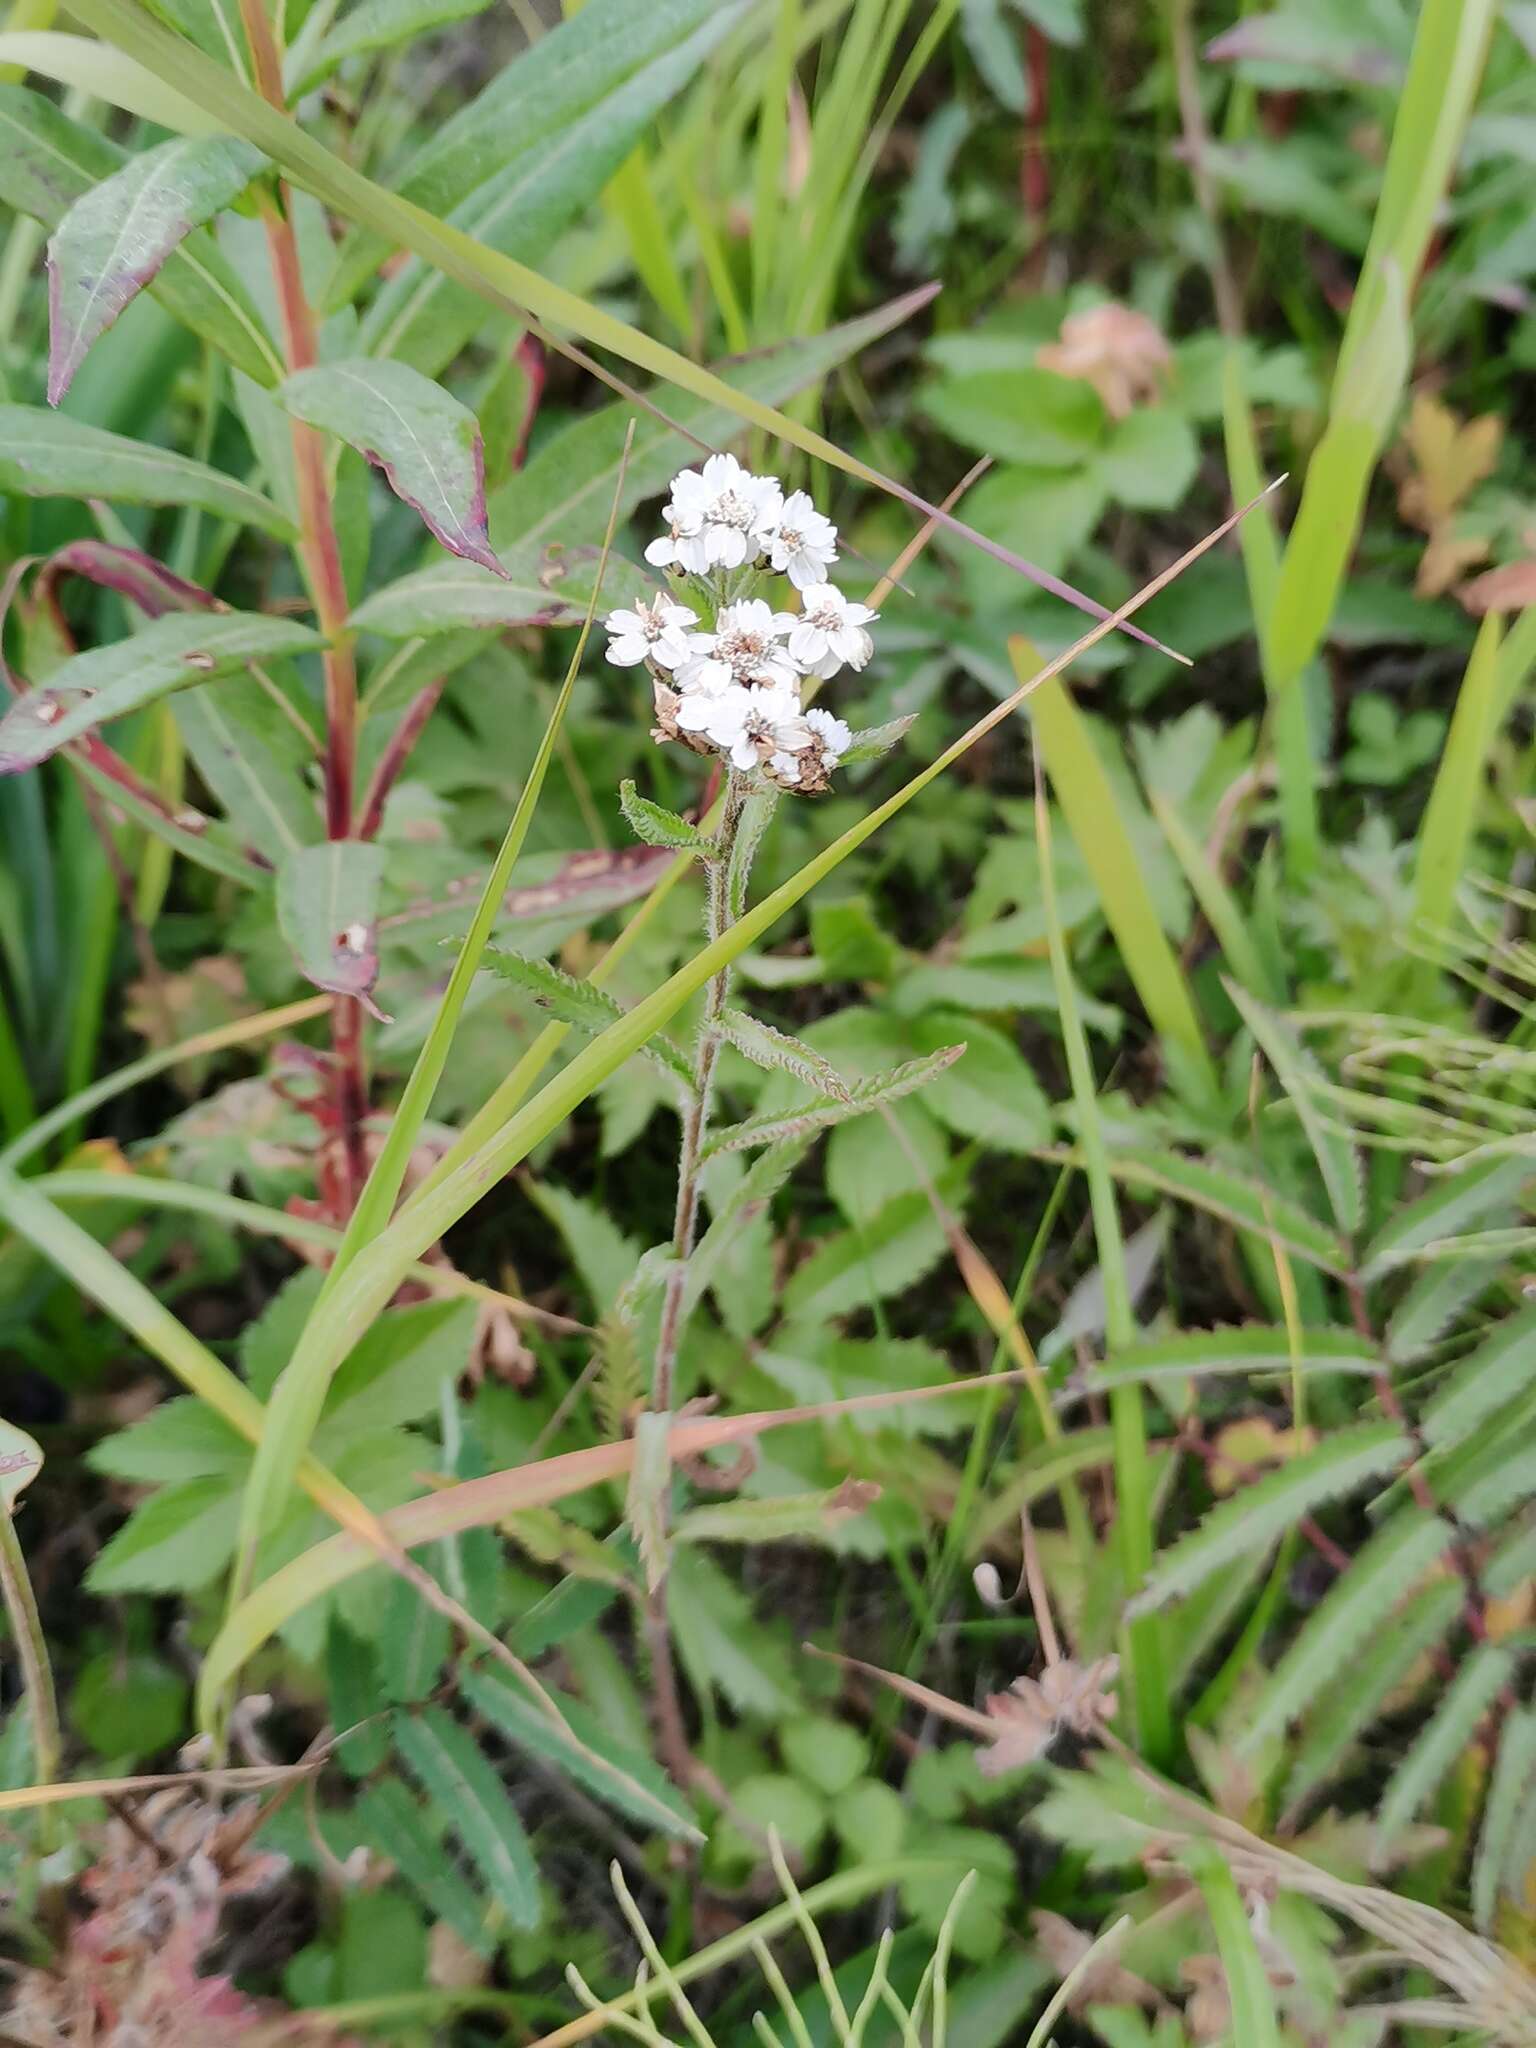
<point x="990" y="1092"/>
<point x="577" y="1003"/>
<point x="396" y="1824"/>
<point x="48" y="161"/>
<point x="170" y="654"/>
<point x="896" y="1249"/>
<point x="809" y="1364"/>
<point x="352" y="1685"/>
<point x="114" y="239"/>
<point x="426" y="443"/>
<point x="1379" y="1578"/>
<point x="657" y="826"/>
<point x="604" y="1256"/>
<point x="49" y="455"/>
<point x="523" y="199"/>
<point x="21" y="1459"/>
<point x="1445" y="1737"/>
<point x="1298" y="1073"/>
<point x="1498" y="1371"/>
<point x="376" y="25"/>
<point x="528" y="591"/>
<point x="175" y="1542"/>
<point x="453" y="1771"/>
<point x="529" y="1727"/>
<point x="398" y="1370"/>
<point x="858" y="1098"/>
<point x="328" y="910"/>
<point x="181" y="1439"/>
<point x="1258" y="1515"/>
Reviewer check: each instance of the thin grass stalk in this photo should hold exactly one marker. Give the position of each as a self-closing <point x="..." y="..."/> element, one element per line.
<point x="1144" y="1656"/>
<point x="32" y="1654"/>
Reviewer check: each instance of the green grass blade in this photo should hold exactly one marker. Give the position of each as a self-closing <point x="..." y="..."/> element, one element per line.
<point x="1135" y="1535"/>
<point x="1445" y="835"/>
<point x="1253" y="2002"/>
<point x="1087" y="801"/>
<point x="1222" y="911"/>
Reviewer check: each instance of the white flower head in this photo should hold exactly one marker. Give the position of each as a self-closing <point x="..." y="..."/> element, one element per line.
<point x="717" y="517"/>
<point x="746" y="725"/>
<point x="832" y="735"/>
<point x="809" y="766"/>
<point x="657" y="632"/>
<point x="829" y="633"/>
<point x="745" y="647"/>
<point x="803" y="543"/>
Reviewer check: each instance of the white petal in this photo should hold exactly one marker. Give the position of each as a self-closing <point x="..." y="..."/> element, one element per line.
<point x="662" y="553"/>
<point x="627" y="651"/>
<point x="743" y="754"/>
<point x="807" y="644"/>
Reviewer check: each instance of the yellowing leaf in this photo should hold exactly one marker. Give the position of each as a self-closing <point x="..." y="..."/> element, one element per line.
<point x="1447" y="458"/>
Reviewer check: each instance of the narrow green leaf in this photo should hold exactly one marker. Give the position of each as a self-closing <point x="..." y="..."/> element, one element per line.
<point x="172" y="653"/>
<point x="779" y="1052"/>
<point x="1497" y="1372"/>
<point x="107" y="74"/>
<point x="328" y="911"/>
<point x="1514" y="1778"/>
<point x="49" y="455"/>
<point x="1445" y="1737"/>
<point x="114" y="239"/>
<point x="1259" y="1515"/>
<point x="1088" y="802"/>
<point x="1248" y="1349"/>
<point x="527" y="591"/>
<point x="1298" y="1073"/>
<point x="452" y="1770"/>
<point x="243" y="750"/>
<point x="1446" y="828"/>
<point x="657" y="826"/>
<point x="1445" y="1210"/>
<point x="48" y="161"/>
<point x="1248" y="1989"/>
<point x="426" y="443"/>
<point x="377" y="25"/>
<point x="859" y="1098"/>
<point x="781" y="1518"/>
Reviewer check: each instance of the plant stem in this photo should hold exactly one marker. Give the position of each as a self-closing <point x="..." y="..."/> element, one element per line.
<point x="671" y="1733"/>
<point x="32" y="1649"/>
<point x="320" y="558"/>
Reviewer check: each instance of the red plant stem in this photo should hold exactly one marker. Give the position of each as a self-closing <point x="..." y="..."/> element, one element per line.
<point x="320" y="556"/>
<point x="394" y="757"/>
<point x="1034" y="168"/>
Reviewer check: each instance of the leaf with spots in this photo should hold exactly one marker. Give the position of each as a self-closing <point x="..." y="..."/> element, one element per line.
<point x="427" y="444"/>
<point x="172" y="653"/>
<point x="114" y="239"/>
<point x="328" y="911"/>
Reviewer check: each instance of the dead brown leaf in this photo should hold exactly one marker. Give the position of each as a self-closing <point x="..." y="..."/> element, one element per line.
<point x="1120" y="352"/>
<point x="1446" y="459"/>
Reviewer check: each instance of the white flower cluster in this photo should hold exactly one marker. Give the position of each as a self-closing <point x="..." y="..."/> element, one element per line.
<point x="734" y="688"/>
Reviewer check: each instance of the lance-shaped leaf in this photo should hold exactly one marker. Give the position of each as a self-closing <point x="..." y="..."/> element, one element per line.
<point x="452" y="1769"/>
<point x="155" y="589"/>
<point x="578" y="1003"/>
<point x="328" y="911"/>
<point x="531" y="587"/>
<point x="48" y="161"/>
<point x="112" y="242"/>
<point x="426" y="443"/>
<point x="374" y="25"/>
<point x="171" y="654"/>
<point x="658" y="826"/>
<point x="49" y="455"/>
<point x="766" y="1046"/>
<point x="860" y="1097"/>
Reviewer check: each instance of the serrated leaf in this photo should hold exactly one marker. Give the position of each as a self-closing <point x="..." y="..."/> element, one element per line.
<point x="1258" y="1515"/>
<point x="1387" y="1569"/>
<point x="738" y="1213"/>
<point x="175" y="1542"/>
<point x="861" y="1097"/>
<point x="1445" y="1737"/>
<point x="114" y="239"/>
<point x="779" y="1518"/>
<point x="633" y="1785"/>
<point x="1494" y="1869"/>
<point x="1298" y="1073"/>
<point x="394" y="1821"/>
<point x="1247" y="1204"/>
<point x="397" y="1371"/>
<point x="777" y="1051"/>
<point x="1498" y="1371"/>
<point x="451" y="1769"/>
<point x="1446" y="1210"/>
<point x="328" y="911"/>
<point x="425" y="442"/>
<point x="658" y="826"/>
<point x="902" y="1243"/>
<point x="991" y="1092"/>
<point x="578" y="1003"/>
<point x="722" y="1644"/>
<point x="873" y="741"/>
<point x="48" y="161"/>
<point x="605" y="1257"/>
<point x="645" y="1498"/>
<point x="50" y="455"/>
<point x="21" y="1459"/>
<point x="1439" y="1296"/>
<point x="352" y="1688"/>
<point x="180" y="1439"/>
<point x="1360" y="1692"/>
<point x="173" y="653"/>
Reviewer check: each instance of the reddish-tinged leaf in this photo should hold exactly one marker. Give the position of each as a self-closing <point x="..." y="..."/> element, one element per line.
<point x="1507" y="589"/>
<point x="155" y="589"/>
<point x="114" y="239"/>
<point x="584" y="885"/>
